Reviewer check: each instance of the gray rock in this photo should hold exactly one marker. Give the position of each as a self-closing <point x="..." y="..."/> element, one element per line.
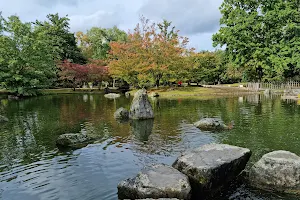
<point x="3" y="119"/>
<point x="122" y="114"/>
<point x="211" y="124"/>
<point x="140" y="106"/>
<point x="212" y="166"/>
<point x="72" y="140"/>
<point x="157" y="181"/>
<point x="112" y="96"/>
<point x="278" y="171"/>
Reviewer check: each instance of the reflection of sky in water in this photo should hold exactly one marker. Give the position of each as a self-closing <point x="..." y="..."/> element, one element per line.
<point x="31" y="167"/>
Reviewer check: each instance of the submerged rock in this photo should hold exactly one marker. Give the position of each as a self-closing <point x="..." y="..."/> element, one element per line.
<point x="121" y="114"/>
<point x="140" y="106"/>
<point x="74" y="140"/>
<point x="3" y="119"/>
<point x="112" y="96"/>
<point x="211" y="124"/>
<point x="212" y="166"/>
<point x="157" y="181"/>
<point x="277" y="171"/>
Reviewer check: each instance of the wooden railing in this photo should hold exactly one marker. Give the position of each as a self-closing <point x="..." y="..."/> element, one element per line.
<point x="273" y="85"/>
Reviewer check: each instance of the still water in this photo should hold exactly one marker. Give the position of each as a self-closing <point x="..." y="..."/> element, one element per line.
<point x="32" y="168"/>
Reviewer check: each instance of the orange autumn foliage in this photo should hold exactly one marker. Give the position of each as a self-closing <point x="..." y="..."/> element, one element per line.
<point x="149" y="56"/>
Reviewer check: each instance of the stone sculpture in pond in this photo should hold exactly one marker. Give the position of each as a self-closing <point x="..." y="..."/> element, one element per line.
<point x="212" y="124"/>
<point x="141" y="107"/>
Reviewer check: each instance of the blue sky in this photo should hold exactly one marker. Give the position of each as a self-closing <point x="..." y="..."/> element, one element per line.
<point x="196" y="19"/>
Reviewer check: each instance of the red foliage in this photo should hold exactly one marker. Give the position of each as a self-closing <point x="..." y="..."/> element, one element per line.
<point x="78" y="74"/>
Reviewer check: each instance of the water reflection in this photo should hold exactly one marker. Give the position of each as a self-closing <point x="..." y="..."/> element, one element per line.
<point x="31" y="167"/>
<point x="142" y="129"/>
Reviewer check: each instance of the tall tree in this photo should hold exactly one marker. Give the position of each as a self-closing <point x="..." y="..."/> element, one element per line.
<point x="27" y="57"/>
<point x="150" y="55"/>
<point x="57" y="29"/>
<point x="261" y="36"/>
<point x="95" y="43"/>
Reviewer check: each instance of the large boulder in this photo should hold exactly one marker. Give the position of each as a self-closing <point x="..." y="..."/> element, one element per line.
<point x="140" y="106"/>
<point x="121" y="114"/>
<point x="3" y="119"/>
<point x="73" y="140"/>
<point x="212" y="166"/>
<point x="211" y="124"/>
<point x="112" y="96"/>
<point x="156" y="181"/>
<point x="278" y="171"/>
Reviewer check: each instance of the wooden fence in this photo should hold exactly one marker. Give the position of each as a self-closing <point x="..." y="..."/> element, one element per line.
<point x="273" y="85"/>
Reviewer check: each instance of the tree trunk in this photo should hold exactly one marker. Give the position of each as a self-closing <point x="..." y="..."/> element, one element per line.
<point x="157" y="83"/>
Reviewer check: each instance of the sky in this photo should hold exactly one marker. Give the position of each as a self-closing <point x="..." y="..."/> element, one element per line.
<point x="196" y="19"/>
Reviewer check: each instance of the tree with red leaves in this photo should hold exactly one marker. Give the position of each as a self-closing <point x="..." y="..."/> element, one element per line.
<point x="77" y="74"/>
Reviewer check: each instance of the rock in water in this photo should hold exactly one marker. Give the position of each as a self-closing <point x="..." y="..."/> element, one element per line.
<point x="112" y="96"/>
<point x="122" y="114"/>
<point x="212" y="166"/>
<point x="157" y="181"/>
<point x="277" y="171"/>
<point x="3" y="119"/>
<point x="140" y="106"/>
<point x="72" y="140"/>
<point x="210" y="124"/>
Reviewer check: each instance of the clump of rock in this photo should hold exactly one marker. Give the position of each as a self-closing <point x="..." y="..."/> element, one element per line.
<point x="210" y="124"/>
<point x="140" y="106"/>
<point x="121" y="114"/>
<point x="73" y="140"/>
<point x="3" y="119"/>
<point x="212" y="166"/>
<point x="112" y="96"/>
<point x="277" y="171"/>
<point x="157" y="181"/>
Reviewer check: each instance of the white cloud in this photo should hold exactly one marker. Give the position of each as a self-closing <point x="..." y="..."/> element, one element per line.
<point x="197" y="19"/>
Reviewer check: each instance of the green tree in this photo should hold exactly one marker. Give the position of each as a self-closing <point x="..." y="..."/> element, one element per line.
<point x="57" y="29"/>
<point x="95" y="43"/>
<point x="27" y="57"/>
<point x="262" y="37"/>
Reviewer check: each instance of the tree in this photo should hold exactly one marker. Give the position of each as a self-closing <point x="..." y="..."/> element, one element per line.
<point x="27" y="57"/>
<point x="77" y="74"/>
<point x="262" y="37"/>
<point x="149" y="55"/>
<point x="57" y="29"/>
<point x="95" y="43"/>
<point x="206" y="67"/>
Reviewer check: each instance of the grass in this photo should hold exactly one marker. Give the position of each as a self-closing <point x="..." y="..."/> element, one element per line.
<point x="198" y="92"/>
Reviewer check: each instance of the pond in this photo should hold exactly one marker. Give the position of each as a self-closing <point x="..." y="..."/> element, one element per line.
<point x="32" y="168"/>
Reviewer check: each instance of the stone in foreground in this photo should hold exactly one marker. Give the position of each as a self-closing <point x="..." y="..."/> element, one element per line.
<point x="210" y="124"/>
<point x="157" y="181"/>
<point x="140" y="106"/>
<point x="212" y="166"/>
<point x="72" y="140"/>
<point x="122" y="114"/>
<point x="277" y="171"/>
<point x="112" y="96"/>
<point x="3" y="119"/>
